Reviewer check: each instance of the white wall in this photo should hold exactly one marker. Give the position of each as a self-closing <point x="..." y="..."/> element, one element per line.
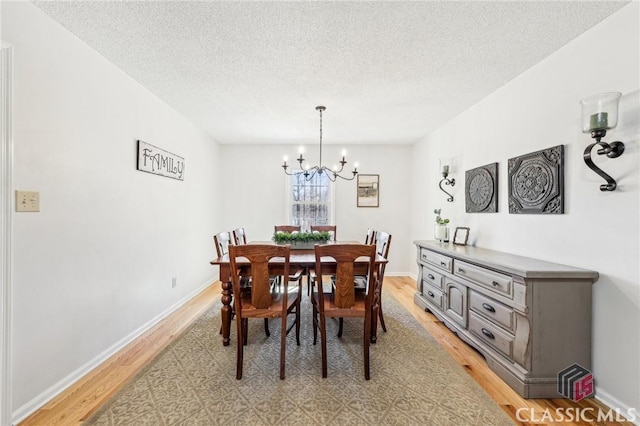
<point x="254" y="195"/>
<point x="599" y="230"/>
<point x="95" y="265"/>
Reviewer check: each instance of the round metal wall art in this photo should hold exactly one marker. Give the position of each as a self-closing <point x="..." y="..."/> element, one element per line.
<point x="481" y="189"/>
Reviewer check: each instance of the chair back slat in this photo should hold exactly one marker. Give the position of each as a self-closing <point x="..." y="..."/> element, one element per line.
<point x="239" y="237"/>
<point x="222" y="241"/>
<point x="258" y="256"/>
<point x="345" y="256"/>
<point x="286" y="228"/>
<point x="331" y="229"/>
<point x="370" y="237"/>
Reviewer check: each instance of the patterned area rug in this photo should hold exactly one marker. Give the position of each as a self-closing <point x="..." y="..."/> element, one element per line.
<point x="413" y="380"/>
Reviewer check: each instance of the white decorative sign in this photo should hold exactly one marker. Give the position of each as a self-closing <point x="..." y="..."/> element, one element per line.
<point x="154" y="160"/>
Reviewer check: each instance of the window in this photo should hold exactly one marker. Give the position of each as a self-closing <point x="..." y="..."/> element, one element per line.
<point x="311" y="202"/>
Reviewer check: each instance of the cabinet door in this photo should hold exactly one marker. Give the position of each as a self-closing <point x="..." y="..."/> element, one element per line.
<point x="456" y="302"/>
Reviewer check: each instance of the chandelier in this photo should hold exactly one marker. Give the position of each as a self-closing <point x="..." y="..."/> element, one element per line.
<point x="310" y="172"/>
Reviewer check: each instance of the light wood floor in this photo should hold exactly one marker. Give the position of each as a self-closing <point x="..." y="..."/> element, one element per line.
<point x="83" y="398"/>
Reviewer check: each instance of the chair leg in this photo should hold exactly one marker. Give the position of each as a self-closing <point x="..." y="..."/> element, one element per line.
<point x="315" y="323"/>
<point x="240" y="348"/>
<point x="266" y="327"/>
<point x="283" y="344"/>
<point x="367" y="342"/>
<point x="245" y="330"/>
<point x="298" y="319"/>
<point x="340" y="327"/>
<point x="374" y="324"/>
<point x="384" y="327"/>
<point x="323" y="342"/>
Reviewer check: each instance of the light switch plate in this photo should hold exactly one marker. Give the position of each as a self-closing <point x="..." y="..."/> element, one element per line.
<point x="27" y="201"/>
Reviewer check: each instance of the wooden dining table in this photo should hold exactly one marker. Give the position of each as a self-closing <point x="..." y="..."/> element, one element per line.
<point x="299" y="259"/>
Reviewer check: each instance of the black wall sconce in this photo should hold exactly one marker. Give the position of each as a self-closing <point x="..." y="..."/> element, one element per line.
<point x="445" y="167"/>
<point x="599" y="114"/>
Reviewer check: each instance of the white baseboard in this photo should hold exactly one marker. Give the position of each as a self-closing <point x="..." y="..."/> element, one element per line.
<point x="30" y="407"/>
<point x="616" y="405"/>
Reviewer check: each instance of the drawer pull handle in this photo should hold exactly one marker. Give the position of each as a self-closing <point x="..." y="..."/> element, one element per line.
<point x="461" y="270"/>
<point x="431" y="277"/>
<point x="488" y="333"/>
<point x="430" y="293"/>
<point x="488" y="307"/>
<point x="495" y="283"/>
<point x="443" y="263"/>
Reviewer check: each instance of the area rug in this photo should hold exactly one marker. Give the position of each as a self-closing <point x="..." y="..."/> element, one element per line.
<point x="413" y="380"/>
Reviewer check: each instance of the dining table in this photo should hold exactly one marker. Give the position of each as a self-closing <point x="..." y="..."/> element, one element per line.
<point x="299" y="259"/>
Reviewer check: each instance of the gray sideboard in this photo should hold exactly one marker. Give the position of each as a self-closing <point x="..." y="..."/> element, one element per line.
<point x="530" y="319"/>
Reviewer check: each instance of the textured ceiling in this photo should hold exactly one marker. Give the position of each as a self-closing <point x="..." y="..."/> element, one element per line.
<point x="388" y="72"/>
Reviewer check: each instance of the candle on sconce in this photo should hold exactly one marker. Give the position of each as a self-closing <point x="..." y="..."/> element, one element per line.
<point x="445" y="169"/>
<point x="598" y="121"/>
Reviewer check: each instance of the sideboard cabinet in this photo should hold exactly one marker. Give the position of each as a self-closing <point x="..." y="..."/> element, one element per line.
<point x="530" y="319"/>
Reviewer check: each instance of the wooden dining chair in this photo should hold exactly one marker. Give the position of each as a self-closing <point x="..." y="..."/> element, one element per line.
<point x="263" y="301"/>
<point x="286" y="228"/>
<point x="239" y="237"/>
<point x="383" y="243"/>
<point x="370" y="237"/>
<point x="331" y="229"/>
<point x="222" y="241"/>
<point x="344" y="302"/>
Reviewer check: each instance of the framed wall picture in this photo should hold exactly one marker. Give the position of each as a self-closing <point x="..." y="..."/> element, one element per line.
<point x="368" y="191"/>
<point x="536" y="182"/>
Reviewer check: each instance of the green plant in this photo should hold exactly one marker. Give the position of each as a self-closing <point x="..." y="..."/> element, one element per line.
<point x="285" y="237"/>
<point x="439" y="220"/>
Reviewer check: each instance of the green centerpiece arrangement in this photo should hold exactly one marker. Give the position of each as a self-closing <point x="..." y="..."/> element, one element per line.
<point x="301" y="240"/>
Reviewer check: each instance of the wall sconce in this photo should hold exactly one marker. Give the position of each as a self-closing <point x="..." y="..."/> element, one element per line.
<point x="445" y="168"/>
<point x="600" y="113"/>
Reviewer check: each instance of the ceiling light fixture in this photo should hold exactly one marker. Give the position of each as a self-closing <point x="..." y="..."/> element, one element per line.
<point x="310" y="172"/>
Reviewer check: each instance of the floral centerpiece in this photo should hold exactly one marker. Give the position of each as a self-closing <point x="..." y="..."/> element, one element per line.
<point x="441" y="231"/>
<point x="301" y="240"/>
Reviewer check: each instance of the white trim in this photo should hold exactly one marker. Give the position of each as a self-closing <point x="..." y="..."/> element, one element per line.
<point x="30" y="407"/>
<point x="615" y="404"/>
<point x="6" y="169"/>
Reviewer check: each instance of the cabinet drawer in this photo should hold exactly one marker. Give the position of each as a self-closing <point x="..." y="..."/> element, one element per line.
<point x="433" y="294"/>
<point x="436" y="259"/>
<point x="495" y="281"/>
<point x="491" y="334"/>
<point x="432" y="277"/>
<point x="494" y="311"/>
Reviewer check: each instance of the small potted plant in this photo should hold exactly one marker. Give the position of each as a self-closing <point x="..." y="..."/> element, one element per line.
<point x="441" y="230"/>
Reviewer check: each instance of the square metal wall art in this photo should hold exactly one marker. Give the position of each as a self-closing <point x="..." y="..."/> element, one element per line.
<point x="481" y="189"/>
<point x="536" y="182"/>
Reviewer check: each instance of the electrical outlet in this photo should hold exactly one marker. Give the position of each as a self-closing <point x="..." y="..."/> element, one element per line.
<point x="27" y="201"/>
<point x="174" y="282"/>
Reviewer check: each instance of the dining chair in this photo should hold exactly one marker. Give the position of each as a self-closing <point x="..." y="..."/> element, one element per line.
<point x="263" y="301"/>
<point x="344" y="302"/>
<point x="222" y="241"/>
<point x="331" y="229"/>
<point x="370" y="237"/>
<point x="383" y="243"/>
<point x="287" y="228"/>
<point x="239" y="237"/>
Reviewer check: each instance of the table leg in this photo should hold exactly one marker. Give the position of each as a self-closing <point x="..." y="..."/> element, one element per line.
<point x="226" y="299"/>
